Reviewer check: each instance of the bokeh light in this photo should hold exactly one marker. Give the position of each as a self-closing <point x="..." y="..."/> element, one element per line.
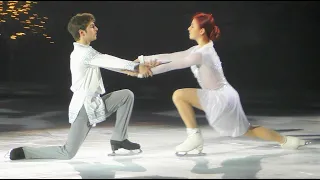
<point x="29" y="21"/>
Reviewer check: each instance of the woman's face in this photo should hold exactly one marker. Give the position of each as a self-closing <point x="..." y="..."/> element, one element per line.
<point x="194" y="30"/>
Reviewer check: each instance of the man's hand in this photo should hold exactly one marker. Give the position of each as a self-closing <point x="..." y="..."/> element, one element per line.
<point x="130" y="73"/>
<point x="145" y="71"/>
<point x="153" y="63"/>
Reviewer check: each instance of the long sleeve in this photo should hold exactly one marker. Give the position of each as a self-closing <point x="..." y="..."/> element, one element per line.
<point x="192" y="59"/>
<point x="116" y="70"/>
<point x="112" y="63"/>
<point x="166" y="57"/>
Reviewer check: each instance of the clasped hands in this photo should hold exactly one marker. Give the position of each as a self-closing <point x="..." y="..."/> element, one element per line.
<point x="144" y="69"/>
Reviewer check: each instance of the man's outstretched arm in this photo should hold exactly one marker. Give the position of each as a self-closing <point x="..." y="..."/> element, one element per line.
<point x="113" y="63"/>
<point x="118" y="65"/>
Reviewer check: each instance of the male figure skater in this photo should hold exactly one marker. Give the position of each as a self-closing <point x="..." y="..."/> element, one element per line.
<point x="87" y="108"/>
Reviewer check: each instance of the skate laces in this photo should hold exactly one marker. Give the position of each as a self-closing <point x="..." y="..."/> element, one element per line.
<point x="194" y="133"/>
<point x="192" y="130"/>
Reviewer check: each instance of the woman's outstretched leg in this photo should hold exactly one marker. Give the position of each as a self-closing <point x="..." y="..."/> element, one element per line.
<point x="286" y="142"/>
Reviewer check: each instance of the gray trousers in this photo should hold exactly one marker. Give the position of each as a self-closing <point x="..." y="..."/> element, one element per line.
<point x="121" y="101"/>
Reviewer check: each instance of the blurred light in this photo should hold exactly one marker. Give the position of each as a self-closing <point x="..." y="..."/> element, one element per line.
<point x="20" y="34"/>
<point x="21" y="12"/>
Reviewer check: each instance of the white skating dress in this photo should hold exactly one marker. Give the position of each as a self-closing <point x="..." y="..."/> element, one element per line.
<point x="219" y="100"/>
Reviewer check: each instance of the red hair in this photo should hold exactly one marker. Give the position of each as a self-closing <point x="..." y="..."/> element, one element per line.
<point x="207" y="22"/>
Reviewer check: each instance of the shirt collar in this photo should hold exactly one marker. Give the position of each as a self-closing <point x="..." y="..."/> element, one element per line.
<point x="80" y="45"/>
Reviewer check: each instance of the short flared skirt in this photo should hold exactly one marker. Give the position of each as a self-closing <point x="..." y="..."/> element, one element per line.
<point x="224" y="111"/>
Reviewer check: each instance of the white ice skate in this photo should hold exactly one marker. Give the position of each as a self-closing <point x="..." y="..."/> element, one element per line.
<point x="193" y="141"/>
<point x="293" y="143"/>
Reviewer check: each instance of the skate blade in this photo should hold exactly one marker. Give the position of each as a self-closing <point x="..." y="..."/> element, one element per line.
<point x="131" y="153"/>
<point x="302" y="145"/>
<point x="185" y="154"/>
<point x="305" y="143"/>
<point x="7" y="155"/>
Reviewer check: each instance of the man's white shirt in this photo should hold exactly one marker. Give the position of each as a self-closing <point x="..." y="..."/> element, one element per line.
<point x="87" y="84"/>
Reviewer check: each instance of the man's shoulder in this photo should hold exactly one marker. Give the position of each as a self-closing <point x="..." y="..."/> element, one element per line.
<point x="84" y="55"/>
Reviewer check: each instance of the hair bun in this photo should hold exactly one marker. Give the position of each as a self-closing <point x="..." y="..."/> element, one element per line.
<point x="215" y="33"/>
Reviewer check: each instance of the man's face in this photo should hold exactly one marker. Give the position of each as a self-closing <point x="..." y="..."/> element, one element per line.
<point x="91" y="32"/>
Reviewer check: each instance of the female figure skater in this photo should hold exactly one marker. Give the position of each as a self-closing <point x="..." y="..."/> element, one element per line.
<point x="217" y="98"/>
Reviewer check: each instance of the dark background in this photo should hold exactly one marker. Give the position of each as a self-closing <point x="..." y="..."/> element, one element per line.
<point x="269" y="50"/>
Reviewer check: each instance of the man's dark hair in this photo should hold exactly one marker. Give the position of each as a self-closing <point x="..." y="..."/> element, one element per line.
<point x="79" y="21"/>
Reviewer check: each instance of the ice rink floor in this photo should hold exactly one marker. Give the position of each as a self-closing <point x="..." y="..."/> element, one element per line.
<point x="158" y="132"/>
